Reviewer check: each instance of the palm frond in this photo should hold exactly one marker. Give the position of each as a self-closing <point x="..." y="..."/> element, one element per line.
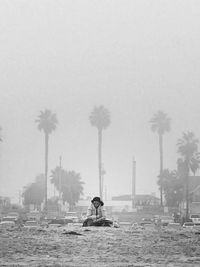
<point x="47" y="121"/>
<point x="100" y="117"/>
<point x="160" y="123"/>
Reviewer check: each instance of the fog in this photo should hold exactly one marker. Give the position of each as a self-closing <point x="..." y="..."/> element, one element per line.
<point x="133" y="57"/>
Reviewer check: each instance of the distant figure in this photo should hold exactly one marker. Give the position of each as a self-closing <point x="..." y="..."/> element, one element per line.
<point x="96" y="215"/>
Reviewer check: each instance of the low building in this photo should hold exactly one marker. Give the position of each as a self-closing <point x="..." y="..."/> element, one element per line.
<point x="122" y="203"/>
<point x="111" y="205"/>
<point x="140" y="201"/>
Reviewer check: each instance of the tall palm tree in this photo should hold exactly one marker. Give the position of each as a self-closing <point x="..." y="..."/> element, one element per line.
<point x="0" y="134"/>
<point x="188" y="149"/>
<point x="47" y="122"/>
<point x="160" y="123"/>
<point x="100" y="118"/>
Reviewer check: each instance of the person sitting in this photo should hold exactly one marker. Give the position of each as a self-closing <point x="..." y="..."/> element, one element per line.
<point x="96" y="215"/>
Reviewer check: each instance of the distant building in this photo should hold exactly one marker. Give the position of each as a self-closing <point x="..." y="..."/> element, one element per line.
<point x="110" y="205"/>
<point x="140" y="200"/>
<point x="122" y="203"/>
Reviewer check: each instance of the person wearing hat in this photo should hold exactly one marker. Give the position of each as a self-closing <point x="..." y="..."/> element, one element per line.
<point x="96" y="215"/>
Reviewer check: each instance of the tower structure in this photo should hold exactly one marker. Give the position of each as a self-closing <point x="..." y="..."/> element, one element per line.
<point x="133" y="181"/>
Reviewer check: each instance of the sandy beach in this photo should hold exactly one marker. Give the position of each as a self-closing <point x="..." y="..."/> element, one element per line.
<point x="99" y="247"/>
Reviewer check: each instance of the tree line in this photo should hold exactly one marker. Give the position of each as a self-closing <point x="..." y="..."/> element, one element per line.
<point x="67" y="183"/>
<point x="175" y="184"/>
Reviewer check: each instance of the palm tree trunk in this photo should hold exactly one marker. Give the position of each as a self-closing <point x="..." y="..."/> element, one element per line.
<point x="187" y="192"/>
<point x="46" y="170"/>
<point x="100" y="161"/>
<point x="161" y="168"/>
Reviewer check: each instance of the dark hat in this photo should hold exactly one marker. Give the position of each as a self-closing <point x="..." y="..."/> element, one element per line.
<point x="97" y="199"/>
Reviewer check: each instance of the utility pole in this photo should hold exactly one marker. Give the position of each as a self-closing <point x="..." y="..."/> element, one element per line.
<point x="105" y="192"/>
<point x="60" y="169"/>
<point x="103" y="172"/>
<point x="60" y="174"/>
<point x="20" y="198"/>
<point x="133" y="182"/>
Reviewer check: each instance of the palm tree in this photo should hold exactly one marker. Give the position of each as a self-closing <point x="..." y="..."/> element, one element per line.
<point x="172" y="188"/>
<point x="34" y="193"/>
<point x="47" y="122"/>
<point x="70" y="184"/>
<point x="160" y="123"/>
<point x="100" y="118"/>
<point x="188" y="149"/>
<point x="0" y="134"/>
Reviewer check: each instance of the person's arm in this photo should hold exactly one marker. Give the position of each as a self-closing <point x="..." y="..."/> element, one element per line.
<point x="89" y="213"/>
<point x="103" y="214"/>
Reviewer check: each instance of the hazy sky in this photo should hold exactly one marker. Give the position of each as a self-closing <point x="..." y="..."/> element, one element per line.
<point x="133" y="57"/>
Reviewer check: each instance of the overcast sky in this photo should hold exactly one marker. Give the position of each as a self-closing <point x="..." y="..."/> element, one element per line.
<point x="133" y="57"/>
